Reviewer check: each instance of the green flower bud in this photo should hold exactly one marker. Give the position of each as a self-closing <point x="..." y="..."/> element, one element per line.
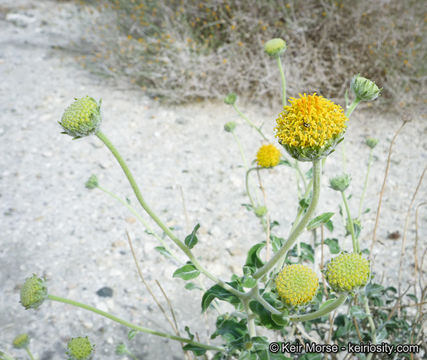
<point x="230" y="126"/>
<point x="121" y="349"/>
<point x="33" y="292"/>
<point x="92" y="182"/>
<point x="82" y="117"/>
<point x="340" y="183"/>
<point x="347" y="272"/>
<point x="297" y="284"/>
<point x="371" y="142"/>
<point x="364" y="89"/>
<point x="275" y="47"/>
<point x="260" y="211"/>
<point x="80" y="348"/>
<point x="21" y="341"/>
<point x="230" y="99"/>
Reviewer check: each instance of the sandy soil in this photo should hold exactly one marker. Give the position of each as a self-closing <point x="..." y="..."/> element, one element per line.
<point x="53" y="226"/>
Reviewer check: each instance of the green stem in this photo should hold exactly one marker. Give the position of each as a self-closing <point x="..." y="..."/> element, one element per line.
<point x="27" y="349"/>
<point x="248" y="192"/>
<point x="355" y="241"/>
<point x="279" y="255"/>
<point x="321" y="312"/>
<point x="142" y="221"/>
<point x="242" y="153"/>
<point x="365" y="185"/>
<point x="352" y="106"/>
<point x="251" y="318"/>
<point x="150" y="212"/>
<point x="301" y="175"/>
<point x="282" y="76"/>
<point x="244" y="117"/>
<point x="267" y="306"/>
<point x="130" y="325"/>
<point x="370" y="319"/>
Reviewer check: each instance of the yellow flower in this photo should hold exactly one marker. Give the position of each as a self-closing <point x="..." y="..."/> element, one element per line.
<point x="347" y="272"/>
<point x="297" y="284"/>
<point x="268" y="156"/>
<point x="310" y="127"/>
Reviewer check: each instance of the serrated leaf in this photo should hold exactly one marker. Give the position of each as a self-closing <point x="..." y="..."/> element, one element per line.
<point x="191" y="240"/>
<point x="186" y="272"/>
<point x="333" y="245"/>
<point x="218" y="292"/>
<point x="192" y="286"/>
<point x="319" y="220"/>
<point x="197" y="350"/>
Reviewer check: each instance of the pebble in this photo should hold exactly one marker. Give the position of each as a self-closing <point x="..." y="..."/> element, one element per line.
<point x="105" y="292"/>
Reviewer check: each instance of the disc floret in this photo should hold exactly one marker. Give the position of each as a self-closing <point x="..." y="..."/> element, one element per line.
<point x="297" y="284"/>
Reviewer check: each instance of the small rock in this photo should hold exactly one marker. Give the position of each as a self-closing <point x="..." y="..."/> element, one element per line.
<point x="181" y="121"/>
<point x="105" y="292"/>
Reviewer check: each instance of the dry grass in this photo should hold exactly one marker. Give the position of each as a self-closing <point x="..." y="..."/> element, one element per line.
<point x="185" y="50"/>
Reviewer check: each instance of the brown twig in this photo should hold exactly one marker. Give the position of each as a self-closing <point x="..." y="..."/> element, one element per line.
<point x="356" y="325"/>
<point x="374" y="237"/>
<point x="405" y="229"/>
<point x="416" y="267"/>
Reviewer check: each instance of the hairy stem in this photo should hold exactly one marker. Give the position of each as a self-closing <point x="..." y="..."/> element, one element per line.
<point x="321" y="312"/>
<point x="244" y="117"/>
<point x="365" y="185"/>
<point x="27" y="349"/>
<point x="132" y="326"/>
<point x="156" y="219"/>
<point x="282" y="76"/>
<point x="279" y="255"/>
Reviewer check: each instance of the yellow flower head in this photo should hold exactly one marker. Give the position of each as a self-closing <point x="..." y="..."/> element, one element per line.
<point x="347" y="272"/>
<point x="310" y="127"/>
<point x="268" y="156"/>
<point x="297" y="284"/>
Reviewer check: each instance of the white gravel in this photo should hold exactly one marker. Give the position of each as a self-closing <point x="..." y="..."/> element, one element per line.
<point x="53" y="226"/>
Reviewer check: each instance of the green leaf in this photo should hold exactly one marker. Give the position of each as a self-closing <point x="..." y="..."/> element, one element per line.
<point x="264" y="315"/>
<point x="187" y="272"/>
<point x="373" y="290"/>
<point x="319" y="220"/>
<point x="248" y="282"/>
<point x="333" y="245"/>
<point x="381" y="335"/>
<point x="163" y="251"/>
<point x="304" y="203"/>
<point x="326" y="303"/>
<point x="357" y="312"/>
<point x="329" y="225"/>
<point x="217" y="291"/>
<point x="276" y="242"/>
<point x="412" y="297"/>
<point x="192" y="286"/>
<point x="190" y="335"/>
<point x="285" y="162"/>
<point x="230" y="328"/>
<point x="191" y="239"/>
<point x="281" y="320"/>
<point x="131" y="334"/>
<point x="253" y="258"/>
<point x="197" y="350"/>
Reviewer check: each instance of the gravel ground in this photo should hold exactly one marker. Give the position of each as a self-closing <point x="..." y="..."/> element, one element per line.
<point x="53" y="226"/>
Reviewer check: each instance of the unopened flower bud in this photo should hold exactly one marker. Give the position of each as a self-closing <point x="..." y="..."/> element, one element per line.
<point x="92" y="182"/>
<point x="371" y="142"/>
<point x="21" y="341"/>
<point x="364" y="89"/>
<point x="230" y="99"/>
<point x="260" y="211"/>
<point x="81" y="118"/>
<point x="80" y="348"/>
<point x="33" y="292"/>
<point x="340" y="183"/>
<point x="230" y="126"/>
<point x="275" y="47"/>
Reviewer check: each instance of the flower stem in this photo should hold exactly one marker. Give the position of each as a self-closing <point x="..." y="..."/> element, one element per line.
<point x="132" y="326"/>
<point x="282" y="76"/>
<point x="370" y="319"/>
<point x="365" y="185"/>
<point x="150" y="212"/>
<point x="352" y="106"/>
<point x="355" y="241"/>
<point x="321" y="312"/>
<point x="242" y="153"/>
<point x="27" y="349"/>
<point x="248" y="192"/>
<point x="142" y="221"/>
<point x="279" y="255"/>
<point x="251" y="318"/>
<point x="244" y="117"/>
